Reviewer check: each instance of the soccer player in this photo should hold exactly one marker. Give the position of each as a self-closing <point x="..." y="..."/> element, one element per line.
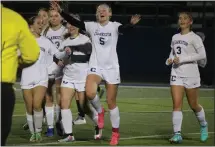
<point x="187" y="50"/>
<point x="78" y="49"/>
<point x="34" y="80"/>
<point x="103" y="61"/>
<point x="55" y="32"/>
<point x="15" y="35"/>
<point x="44" y="14"/>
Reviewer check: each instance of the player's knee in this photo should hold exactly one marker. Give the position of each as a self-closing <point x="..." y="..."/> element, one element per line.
<point x="111" y="104"/>
<point x="196" y="107"/>
<point x="90" y="94"/>
<point x="64" y="102"/>
<point x="29" y="111"/>
<point x="37" y="107"/>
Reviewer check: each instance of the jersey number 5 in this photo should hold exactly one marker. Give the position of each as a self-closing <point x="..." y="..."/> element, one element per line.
<point x="179" y="50"/>
<point x="101" y="40"/>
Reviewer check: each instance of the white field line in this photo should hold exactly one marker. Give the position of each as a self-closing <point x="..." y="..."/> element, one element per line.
<point x="126" y="138"/>
<point x="19" y="115"/>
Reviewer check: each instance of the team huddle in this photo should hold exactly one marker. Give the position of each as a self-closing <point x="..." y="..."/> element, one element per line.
<point x="76" y="56"/>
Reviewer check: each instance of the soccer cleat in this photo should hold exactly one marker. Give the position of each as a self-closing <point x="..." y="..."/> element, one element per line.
<point x="67" y="139"/>
<point x="25" y="126"/>
<point x="101" y="92"/>
<point x="38" y="137"/>
<point x="79" y="120"/>
<point x="114" y="138"/>
<point x="33" y="138"/>
<point x="50" y="132"/>
<point x="176" y="138"/>
<point x="204" y="133"/>
<point x="98" y="133"/>
<point x="101" y="119"/>
<point x="59" y="128"/>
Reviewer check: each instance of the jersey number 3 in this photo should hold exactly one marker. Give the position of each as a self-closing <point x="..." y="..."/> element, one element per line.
<point x="179" y="50"/>
<point x="101" y="40"/>
<point x="57" y="44"/>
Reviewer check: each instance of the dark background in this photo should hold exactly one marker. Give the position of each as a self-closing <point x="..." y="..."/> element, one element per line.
<point x="143" y="52"/>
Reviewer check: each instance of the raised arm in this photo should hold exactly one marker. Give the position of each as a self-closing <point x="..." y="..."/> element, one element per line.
<point x="84" y="48"/>
<point x="77" y="23"/>
<point x="124" y="28"/>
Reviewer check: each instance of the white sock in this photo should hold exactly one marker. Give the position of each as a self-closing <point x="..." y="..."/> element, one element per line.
<point x="96" y="104"/>
<point x="67" y="120"/>
<point x="30" y="122"/>
<point x="94" y="116"/>
<point x="38" y="120"/>
<point x="114" y="117"/>
<point x="57" y="112"/>
<point x="50" y="116"/>
<point x="201" y="117"/>
<point x="177" y="117"/>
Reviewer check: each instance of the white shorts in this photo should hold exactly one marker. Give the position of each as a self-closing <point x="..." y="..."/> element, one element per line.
<point x="111" y="76"/>
<point x="34" y="76"/>
<point x="33" y="85"/>
<point x="187" y="82"/>
<point x="55" y="72"/>
<point x="80" y="87"/>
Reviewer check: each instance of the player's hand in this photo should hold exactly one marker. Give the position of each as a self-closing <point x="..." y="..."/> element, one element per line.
<point x="68" y="50"/>
<point x="176" y="60"/>
<point x="135" y="19"/>
<point x="55" y="6"/>
<point x="60" y="63"/>
<point x="169" y="61"/>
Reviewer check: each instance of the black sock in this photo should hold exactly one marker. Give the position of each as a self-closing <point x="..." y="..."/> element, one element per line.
<point x="98" y="89"/>
<point x="80" y="111"/>
<point x="43" y="106"/>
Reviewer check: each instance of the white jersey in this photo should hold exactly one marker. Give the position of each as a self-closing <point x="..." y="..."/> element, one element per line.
<point x="76" y="72"/>
<point x="38" y="70"/>
<point x="104" y="42"/>
<point x="190" y="49"/>
<point x="56" y="36"/>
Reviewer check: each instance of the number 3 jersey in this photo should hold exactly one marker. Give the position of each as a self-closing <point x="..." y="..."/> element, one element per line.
<point x="189" y="48"/>
<point x="104" y="41"/>
<point x="56" y="36"/>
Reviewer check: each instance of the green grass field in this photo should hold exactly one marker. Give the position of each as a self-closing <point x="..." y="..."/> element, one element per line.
<point x="145" y="120"/>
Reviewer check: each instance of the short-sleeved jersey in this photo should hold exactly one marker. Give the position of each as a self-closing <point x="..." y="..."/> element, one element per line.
<point x="47" y="50"/>
<point x="182" y="47"/>
<point x="104" y="42"/>
<point x="75" y="71"/>
<point x="56" y="36"/>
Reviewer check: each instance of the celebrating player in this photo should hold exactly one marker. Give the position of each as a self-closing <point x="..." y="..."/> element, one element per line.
<point x="34" y="81"/>
<point x="43" y="13"/>
<point x="54" y="32"/>
<point x="103" y="61"/>
<point x="78" y="49"/>
<point x="187" y="51"/>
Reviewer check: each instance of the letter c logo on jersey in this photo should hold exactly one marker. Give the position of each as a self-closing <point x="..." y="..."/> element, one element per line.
<point x="93" y="69"/>
<point x="64" y="82"/>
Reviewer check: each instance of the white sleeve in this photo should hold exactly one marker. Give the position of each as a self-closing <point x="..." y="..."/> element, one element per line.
<point x="53" y="48"/>
<point x="117" y="24"/>
<point x="171" y="55"/>
<point x="60" y="54"/>
<point x="89" y="26"/>
<point x="200" y="51"/>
